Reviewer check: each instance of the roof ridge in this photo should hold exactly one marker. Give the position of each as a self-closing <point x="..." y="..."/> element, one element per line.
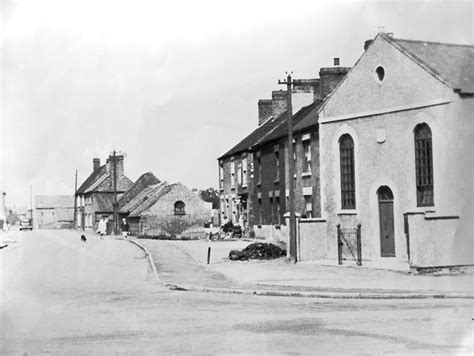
<point x="430" y="42"/>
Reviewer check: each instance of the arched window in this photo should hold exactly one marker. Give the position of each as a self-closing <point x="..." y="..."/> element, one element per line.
<point x="424" y="165"/>
<point x="179" y="208"/>
<point x="346" y="150"/>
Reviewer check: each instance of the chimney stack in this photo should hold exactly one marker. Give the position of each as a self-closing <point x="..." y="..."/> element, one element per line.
<point x="336" y="61"/>
<point x="330" y="78"/>
<point x="118" y="164"/>
<point x="95" y="164"/>
<point x="279" y="102"/>
<point x="264" y="110"/>
<point x="367" y="44"/>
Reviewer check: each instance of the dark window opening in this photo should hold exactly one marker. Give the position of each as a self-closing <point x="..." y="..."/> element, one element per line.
<point x="380" y="73"/>
<point x="346" y="151"/>
<point x="424" y="165"/>
<point x="179" y="208"/>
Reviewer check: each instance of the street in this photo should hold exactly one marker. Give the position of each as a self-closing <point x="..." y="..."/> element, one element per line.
<point x="60" y="295"/>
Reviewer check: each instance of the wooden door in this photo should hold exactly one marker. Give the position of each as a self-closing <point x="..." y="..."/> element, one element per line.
<point x="387" y="231"/>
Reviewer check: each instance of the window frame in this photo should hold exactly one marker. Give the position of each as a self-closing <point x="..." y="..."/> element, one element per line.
<point x="347" y="172"/>
<point x="306" y="156"/>
<point x="424" y="177"/>
<point x="179" y="210"/>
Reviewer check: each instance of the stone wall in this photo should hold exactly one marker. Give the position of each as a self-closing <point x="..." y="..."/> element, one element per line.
<point x="161" y="216"/>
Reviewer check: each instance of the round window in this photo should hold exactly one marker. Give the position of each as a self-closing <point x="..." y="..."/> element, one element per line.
<point x="380" y="72"/>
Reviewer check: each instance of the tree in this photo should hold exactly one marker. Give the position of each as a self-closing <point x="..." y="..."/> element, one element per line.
<point x="210" y="195"/>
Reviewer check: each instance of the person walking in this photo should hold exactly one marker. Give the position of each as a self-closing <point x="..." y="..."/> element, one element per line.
<point x="124" y="227"/>
<point x="102" y="227"/>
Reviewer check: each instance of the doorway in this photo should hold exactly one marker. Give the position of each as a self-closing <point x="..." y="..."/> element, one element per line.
<point x="387" y="230"/>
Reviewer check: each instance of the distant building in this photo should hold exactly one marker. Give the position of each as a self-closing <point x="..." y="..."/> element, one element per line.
<point x="95" y="196"/>
<point x="53" y="212"/>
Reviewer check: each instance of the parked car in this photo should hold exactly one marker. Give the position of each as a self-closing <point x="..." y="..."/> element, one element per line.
<point x="25" y="224"/>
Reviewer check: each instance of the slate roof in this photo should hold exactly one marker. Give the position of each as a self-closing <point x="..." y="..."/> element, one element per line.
<point x="308" y="114"/>
<point x="140" y="198"/>
<point x="453" y="64"/>
<point x="310" y="118"/>
<point x="141" y="183"/>
<point x="151" y="198"/>
<point x="92" y="178"/>
<point x="101" y="181"/>
<point x="275" y="128"/>
<point x="54" y="201"/>
<point x="106" y="184"/>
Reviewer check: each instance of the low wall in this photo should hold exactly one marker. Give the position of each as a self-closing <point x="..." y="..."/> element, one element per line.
<point x="312" y="238"/>
<point x="439" y="241"/>
<point x="271" y="232"/>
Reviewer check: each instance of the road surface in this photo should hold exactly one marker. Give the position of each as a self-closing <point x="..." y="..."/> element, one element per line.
<point x="62" y="296"/>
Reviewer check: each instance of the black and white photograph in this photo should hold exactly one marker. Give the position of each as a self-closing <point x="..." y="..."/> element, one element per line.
<point x="236" y="178"/>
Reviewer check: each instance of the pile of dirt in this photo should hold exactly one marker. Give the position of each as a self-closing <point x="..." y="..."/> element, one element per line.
<point x="258" y="251"/>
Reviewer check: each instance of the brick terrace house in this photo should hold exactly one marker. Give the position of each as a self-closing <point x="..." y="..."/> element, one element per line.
<point x="253" y="174"/>
<point x="395" y="155"/>
<point x="53" y="212"/>
<point x="95" y="196"/>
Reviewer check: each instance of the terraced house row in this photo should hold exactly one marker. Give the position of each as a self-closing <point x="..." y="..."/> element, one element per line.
<point x="384" y="145"/>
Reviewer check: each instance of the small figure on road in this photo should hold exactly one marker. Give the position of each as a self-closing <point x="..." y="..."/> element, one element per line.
<point x="102" y="227"/>
<point x="83" y="238"/>
<point x="124" y="227"/>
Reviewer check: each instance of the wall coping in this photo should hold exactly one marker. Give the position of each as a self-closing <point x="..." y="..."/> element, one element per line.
<point x="310" y="220"/>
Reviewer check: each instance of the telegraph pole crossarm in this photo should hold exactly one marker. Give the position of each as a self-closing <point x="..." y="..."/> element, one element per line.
<point x="291" y="167"/>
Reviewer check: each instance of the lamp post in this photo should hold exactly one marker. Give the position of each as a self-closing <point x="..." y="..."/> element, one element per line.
<point x="291" y="169"/>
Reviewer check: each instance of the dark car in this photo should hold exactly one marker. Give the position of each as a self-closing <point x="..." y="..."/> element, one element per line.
<point x="25" y="224"/>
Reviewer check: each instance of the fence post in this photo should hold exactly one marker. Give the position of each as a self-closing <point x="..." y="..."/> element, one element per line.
<point x="359" y="246"/>
<point x="339" y="244"/>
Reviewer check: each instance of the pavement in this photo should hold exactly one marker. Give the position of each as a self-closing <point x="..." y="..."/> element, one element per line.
<point x="61" y="296"/>
<point x="182" y="265"/>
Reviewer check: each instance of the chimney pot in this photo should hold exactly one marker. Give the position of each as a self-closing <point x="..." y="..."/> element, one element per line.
<point x="336" y="61"/>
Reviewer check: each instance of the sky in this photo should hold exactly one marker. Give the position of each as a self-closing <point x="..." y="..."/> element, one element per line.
<point x="173" y="84"/>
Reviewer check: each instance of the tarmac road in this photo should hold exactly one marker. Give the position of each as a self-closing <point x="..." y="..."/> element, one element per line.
<point x="62" y="296"/>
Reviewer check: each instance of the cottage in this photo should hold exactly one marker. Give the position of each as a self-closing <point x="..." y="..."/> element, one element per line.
<point x="395" y="140"/>
<point x="96" y="195"/>
<point x="165" y="209"/>
<point x="53" y="212"/>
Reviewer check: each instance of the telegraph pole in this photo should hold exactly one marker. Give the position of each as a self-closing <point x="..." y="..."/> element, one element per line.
<point x="115" y="197"/>
<point x="75" y="202"/>
<point x="31" y="203"/>
<point x="291" y="169"/>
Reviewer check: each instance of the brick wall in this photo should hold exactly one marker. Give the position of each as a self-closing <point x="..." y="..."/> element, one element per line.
<point x="265" y="110"/>
<point x="161" y="216"/>
<point x="330" y="78"/>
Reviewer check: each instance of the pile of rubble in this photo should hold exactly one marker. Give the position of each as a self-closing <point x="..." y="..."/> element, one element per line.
<point x="258" y="251"/>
